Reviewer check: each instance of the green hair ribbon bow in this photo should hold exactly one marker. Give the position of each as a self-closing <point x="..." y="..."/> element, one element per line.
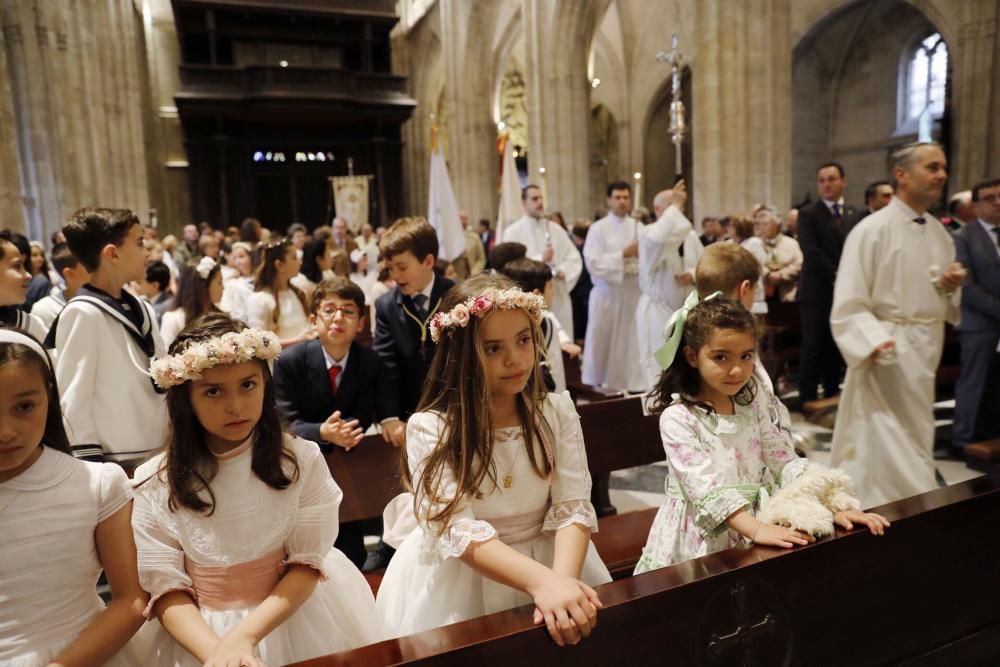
<point x="674" y="331"/>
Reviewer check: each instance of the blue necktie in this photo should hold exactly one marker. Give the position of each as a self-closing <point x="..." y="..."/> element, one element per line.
<point x="420" y="301"/>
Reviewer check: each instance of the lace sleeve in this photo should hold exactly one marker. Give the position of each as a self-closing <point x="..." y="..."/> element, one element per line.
<point x="573" y="511"/>
<point x="316" y="523"/>
<point x="441" y="541"/>
<point x="160" y="556"/>
<point x="571" y="480"/>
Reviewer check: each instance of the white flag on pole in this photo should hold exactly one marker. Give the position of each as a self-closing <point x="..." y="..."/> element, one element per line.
<point x="511" y="209"/>
<point x="443" y="210"/>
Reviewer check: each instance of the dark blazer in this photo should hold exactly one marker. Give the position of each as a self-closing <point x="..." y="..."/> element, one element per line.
<point x="851" y="221"/>
<point x="821" y="244"/>
<point x="305" y="397"/>
<point x="405" y="348"/>
<point x="976" y="249"/>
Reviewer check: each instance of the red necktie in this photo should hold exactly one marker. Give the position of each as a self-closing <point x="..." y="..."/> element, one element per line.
<point x="334" y="372"/>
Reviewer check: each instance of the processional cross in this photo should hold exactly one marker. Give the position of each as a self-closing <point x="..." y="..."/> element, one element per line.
<point x="678" y="129"/>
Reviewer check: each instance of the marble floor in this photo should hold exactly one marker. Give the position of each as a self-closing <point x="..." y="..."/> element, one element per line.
<point x="642" y="487"/>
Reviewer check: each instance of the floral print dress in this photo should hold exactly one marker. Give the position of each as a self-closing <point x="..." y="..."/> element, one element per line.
<point x="718" y="465"/>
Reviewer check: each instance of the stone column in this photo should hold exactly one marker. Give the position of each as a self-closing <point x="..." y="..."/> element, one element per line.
<point x="974" y="66"/>
<point x="10" y="180"/>
<point x="557" y="38"/>
<point x="473" y="162"/>
<point x="741" y="85"/>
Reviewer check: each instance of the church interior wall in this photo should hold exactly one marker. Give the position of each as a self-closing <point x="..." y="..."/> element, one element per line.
<point x="845" y="94"/>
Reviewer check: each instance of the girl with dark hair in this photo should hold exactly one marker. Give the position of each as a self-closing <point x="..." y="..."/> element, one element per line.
<point x="276" y="304"/>
<point x="14" y="281"/>
<point x="315" y="260"/>
<point x="63" y="521"/>
<point x="726" y="456"/>
<point x="199" y="291"/>
<point x="41" y="276"/>
<point x="238" y="286"/>
<point x="235" y="521"/>
<point x="499" y="481"/>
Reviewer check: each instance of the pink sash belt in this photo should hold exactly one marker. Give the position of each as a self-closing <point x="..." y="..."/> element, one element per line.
<point x="519" y="527"/>
<point x="239" y="586"/>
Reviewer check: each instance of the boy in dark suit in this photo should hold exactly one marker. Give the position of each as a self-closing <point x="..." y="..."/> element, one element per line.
<point x="402" y="315"/>
<point x="331" y="389"/>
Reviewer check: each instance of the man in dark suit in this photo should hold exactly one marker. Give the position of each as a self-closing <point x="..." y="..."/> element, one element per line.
<point x="403" y="315"/>
<point x="821" y="237"/>
<point x="977" y="247"/>
<point x="486" y="235"/>
<point x="331" y="389"/>
<point x="877" y="195"/>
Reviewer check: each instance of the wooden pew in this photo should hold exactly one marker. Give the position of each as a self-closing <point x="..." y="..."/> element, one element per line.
<point x="923" y="594"/>
<point x="369" y="476"/>
<point x="580" y="391"/>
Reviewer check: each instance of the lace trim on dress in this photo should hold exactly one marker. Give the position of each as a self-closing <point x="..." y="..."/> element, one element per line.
<point x="315" y="562"/>
<point x="569" y="512"/>
<point x="508" y="434"/>
<point x="460" y="534"/>
<point x="712" y="509"/>
<point x="148" y="612"/>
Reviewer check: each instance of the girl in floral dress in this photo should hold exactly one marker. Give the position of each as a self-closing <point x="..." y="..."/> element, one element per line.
<point x="498" y="471"/>
<point x="725" y="456"/>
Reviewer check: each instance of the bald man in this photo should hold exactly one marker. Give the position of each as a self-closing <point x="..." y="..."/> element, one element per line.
<point x="669" y="250"/>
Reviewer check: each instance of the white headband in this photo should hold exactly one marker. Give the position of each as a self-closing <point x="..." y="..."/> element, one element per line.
<point x="15" y="336"/>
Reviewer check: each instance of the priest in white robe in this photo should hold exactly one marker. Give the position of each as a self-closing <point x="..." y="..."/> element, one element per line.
<point x="897" y="284"/>
<point x="611" y="348"/>
<point x="549" y="243"/>
<point x="669" y="250"/>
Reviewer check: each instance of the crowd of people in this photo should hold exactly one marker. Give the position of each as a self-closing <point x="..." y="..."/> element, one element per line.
<point x="219" y="368"/>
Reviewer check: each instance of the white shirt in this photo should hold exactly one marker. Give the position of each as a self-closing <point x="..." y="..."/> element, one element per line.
<point x="986" y="226"/>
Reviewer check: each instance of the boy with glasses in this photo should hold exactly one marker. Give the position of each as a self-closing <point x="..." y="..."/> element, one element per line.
<point x="330" y="389"/>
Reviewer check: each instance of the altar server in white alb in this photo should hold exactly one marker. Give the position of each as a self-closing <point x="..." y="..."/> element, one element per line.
<point x="549" y="243"/>
<point x="611" y="354"/>
<point x="669" y="250"/>
<point x="105" y="339"/>
<point x="897" y="284"/>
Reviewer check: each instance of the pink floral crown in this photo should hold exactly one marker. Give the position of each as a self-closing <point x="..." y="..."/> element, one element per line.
<point x="491" y="299"/>
<point x="229" y="348"/>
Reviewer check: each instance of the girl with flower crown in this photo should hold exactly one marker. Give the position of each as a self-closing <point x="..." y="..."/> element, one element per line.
<point x="235" y="522"/>
<point x="726" y="456"/>
<point x="199" y="291"/>
<point x="498" y="472"/>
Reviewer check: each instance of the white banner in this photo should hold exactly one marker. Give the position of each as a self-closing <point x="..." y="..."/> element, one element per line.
<point x="442" y="210"/>
<point x="350" y="200"/>
<point x="511" y="208"/>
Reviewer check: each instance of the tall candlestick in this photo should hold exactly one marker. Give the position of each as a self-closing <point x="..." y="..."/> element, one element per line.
<point x="637" y="187"/>
<point x="545" y="192"/>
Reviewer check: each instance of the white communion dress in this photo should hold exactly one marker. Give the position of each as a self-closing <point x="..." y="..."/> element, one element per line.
<point x="427" y="585"/>
<point x="49" y="563"/>
<point x="231" y="560"/>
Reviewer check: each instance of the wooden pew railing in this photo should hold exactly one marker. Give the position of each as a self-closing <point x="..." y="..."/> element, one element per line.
<point x="923" y="594"/>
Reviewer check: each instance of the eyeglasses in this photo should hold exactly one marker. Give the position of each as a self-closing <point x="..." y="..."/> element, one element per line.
<point x="347" y="312"/>
<point x="993" y="199"/>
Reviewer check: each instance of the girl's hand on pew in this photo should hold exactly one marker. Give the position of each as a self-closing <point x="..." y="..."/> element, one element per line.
<point x="568" y="607"/>
<point x="780" y="536"/>
<point x="876" y="522"/>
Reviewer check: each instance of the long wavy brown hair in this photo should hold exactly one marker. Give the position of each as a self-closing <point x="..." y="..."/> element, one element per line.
<point x="266" y="276"/>
<point x="456" y="389"/>
<point x="189" y="465"/>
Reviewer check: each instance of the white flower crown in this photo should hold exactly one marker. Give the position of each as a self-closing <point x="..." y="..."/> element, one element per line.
<point x="479" y="306"/>
<point x="230" y="348"/>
